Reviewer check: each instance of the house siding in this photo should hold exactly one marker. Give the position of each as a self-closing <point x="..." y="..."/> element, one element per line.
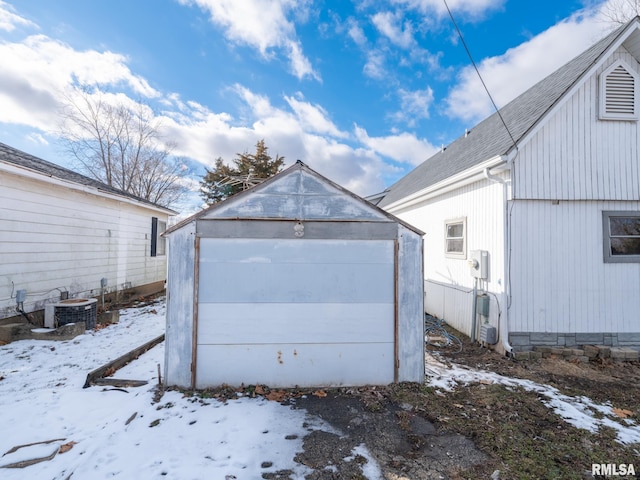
<point x="571" y="170"/>
<point x="54" y="237"/>
<point x="448" y="281"/>
<point x="560" y="282"/>
<point x="576" y="156"/>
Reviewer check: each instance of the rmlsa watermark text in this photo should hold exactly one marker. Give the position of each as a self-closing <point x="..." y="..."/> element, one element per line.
<point x="613" y="469"/>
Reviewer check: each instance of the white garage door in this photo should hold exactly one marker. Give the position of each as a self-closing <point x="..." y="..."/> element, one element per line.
<point x="295" y="312"/>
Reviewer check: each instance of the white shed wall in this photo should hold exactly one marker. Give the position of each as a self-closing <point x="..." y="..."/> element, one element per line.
<point x="54" y="237"/>
<point x="448" y="281"/>
<point x="576" y="156"/>
<point x="181" y="307"/>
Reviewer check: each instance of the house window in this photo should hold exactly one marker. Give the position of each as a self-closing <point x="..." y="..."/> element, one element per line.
<point x="621" y="231"/>
<point x="455" y="238"/>
<point x="618" y="99"/>
<point x="158" y="243"/>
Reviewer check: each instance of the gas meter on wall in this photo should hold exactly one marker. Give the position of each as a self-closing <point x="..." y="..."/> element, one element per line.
<point x="479" y="263"/>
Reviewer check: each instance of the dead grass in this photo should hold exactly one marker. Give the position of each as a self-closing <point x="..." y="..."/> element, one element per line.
<point x="523" y="437"/>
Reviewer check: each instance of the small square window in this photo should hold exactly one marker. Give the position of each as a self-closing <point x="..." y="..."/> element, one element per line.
<point x="621" y="232"/>
<point x="455" y="238"/>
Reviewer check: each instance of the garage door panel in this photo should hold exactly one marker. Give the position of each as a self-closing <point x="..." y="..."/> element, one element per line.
<point x="297" y="283"/>
<point x="287" y="312"/>
<point x="310" y="365"/>
<point x="294" y="251"/>
<point x="231" y="323"/>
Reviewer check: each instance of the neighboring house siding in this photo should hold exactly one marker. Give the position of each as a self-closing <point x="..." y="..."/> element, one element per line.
<point x="448" y="281"/>
<point x="560" y="283"/>
<point x="52" y="237"/>
<point x="577" y="156"/>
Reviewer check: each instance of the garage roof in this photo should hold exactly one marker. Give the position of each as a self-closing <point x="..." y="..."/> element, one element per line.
<point x="298" y="193"/>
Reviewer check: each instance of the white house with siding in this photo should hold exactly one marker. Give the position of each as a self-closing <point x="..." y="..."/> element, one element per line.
<point x="64" y="232"/>
<point x="554" y="201"/>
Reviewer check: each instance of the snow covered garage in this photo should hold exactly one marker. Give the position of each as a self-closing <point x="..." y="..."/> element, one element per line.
<point x="294" y="282"/>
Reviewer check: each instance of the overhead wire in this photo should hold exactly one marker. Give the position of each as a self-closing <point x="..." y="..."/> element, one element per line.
<point x="506" y="127"/>
<point x="484" y="85"/>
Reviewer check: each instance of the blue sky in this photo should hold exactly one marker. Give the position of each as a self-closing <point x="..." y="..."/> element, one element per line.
<point x="362" y="91"/>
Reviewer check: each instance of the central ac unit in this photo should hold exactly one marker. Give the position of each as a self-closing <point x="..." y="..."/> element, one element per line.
<point x="73" y="310"/>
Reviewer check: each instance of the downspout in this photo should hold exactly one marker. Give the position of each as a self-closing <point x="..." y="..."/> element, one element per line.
<point x="504" y="323"/>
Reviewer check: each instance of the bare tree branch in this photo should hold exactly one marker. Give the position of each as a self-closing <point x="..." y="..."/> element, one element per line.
<point x="619" y="12"/>
<point x="120" y="145"/>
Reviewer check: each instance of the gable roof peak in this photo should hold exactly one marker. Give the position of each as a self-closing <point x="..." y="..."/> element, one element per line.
<point x="491" y="139"/>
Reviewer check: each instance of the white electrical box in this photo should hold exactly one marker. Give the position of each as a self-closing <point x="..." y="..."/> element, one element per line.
<point x="479" y="263"/>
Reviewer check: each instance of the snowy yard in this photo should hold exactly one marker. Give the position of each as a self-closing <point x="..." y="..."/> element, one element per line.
<point x="581" y="412"/>
<point x="42" y="399"/>
<point x="108" y="432"/>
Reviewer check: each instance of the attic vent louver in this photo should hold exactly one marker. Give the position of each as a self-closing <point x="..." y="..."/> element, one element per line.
<point x="618" y="99"/>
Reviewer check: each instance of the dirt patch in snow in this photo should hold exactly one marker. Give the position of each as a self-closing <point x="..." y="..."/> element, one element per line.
<point x="401" y="441"/>
<point x="482" y="429"/>
<point x="602" y="380"/>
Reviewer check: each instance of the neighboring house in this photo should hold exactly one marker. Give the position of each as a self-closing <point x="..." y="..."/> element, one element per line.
<point x="294" y="282"/>
<point x="554" y="201"/>
<point x="61" y="233"/>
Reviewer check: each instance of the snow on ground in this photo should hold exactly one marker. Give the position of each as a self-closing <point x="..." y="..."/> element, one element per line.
<point x="580" y="412"/>
<point x="122" y="434"/>
<point x="42" y="399"/>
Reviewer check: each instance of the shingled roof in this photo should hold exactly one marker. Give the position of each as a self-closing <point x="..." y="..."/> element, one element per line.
<point x="21" y="159"/>
<point x="489" y="138"/>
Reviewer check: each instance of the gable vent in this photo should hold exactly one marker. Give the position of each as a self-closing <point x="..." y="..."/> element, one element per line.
<point x="618" y="95"/>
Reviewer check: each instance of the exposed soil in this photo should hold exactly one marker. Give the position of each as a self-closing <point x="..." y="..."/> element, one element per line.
<point x="400" y="439"/>
<point x="476" y="431"/>
<point x="601" y="380"/>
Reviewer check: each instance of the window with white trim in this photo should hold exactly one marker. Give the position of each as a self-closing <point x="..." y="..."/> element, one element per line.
<point x="158" y="242"/>
<point x="455" y="232"/>
<point x="618" y="88"/>
<point x="621" y="232"/>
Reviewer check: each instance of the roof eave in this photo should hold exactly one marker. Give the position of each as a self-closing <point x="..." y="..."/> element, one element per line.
<point x="26" y="172"/>
<point x="458" y="180"/>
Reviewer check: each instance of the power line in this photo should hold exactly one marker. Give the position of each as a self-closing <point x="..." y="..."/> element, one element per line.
<point x="478" y="73"/>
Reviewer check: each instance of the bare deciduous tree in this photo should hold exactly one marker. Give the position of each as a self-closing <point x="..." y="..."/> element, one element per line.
<point x="119" y="144"/>
<point x="619" y="12"/>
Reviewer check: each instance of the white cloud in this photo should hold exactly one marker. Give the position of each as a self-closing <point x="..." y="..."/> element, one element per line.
<point x="300" y="64"/>
<point x="474" y="8"/>
<point x="414" y="105"/>
<point x="391" y="26"/>
<point x="374" y="67"/>
<point x="37" y="71"/>
<point x="356" y="33"/>
<point x="404" y="147"/>
<point x="37" y="138"/>
<point x="9" y="20"/>
<point x="508" y="75"/>
<point x="263" y="25"/>
<point x="303" y="133"/>
<point x="313" y="118"/>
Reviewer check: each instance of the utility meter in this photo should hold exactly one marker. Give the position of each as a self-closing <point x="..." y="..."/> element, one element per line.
<point x="479" y="263"/>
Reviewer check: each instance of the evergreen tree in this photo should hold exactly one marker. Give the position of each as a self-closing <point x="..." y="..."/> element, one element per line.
<point x="248" y="169"/>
